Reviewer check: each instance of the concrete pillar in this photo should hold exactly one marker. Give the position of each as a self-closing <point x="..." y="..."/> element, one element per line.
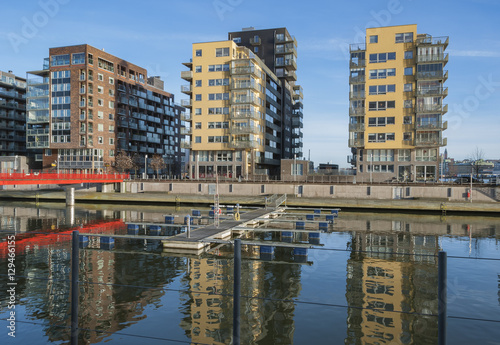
<point x="70" y="215"/>
<point x="70" y="196"/>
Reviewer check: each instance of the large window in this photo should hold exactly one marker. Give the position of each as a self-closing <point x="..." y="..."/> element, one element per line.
<point x="218" y="68"/>
<point x="382" y="73"/>
<point x="60" y="60"/>
<point x="426" y="155"/>
<point x="218" y="139"/>
<point x="374" y="39"/>
<point x="221" y="52"/>
<point x="404" y="37"/>
<point x="380" y="137"/>
<point x="218" y="96"/>
<point x="382" y="57"/>
<point x="78" y="58"/>
<point x="404" y="155"/>
<point x="381" y="89"/>
<point x="107" y="65"/>
<point x="380" y="155"/>
<point x="380" y="121"/>
<point x="381" y="105"/>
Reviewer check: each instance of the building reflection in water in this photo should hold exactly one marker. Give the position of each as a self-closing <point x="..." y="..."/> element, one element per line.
<point x="208" y="317"/>
<point x="384" y="277"/>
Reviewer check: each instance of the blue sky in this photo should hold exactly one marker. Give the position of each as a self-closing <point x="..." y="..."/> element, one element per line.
<point x="158" y="35"/>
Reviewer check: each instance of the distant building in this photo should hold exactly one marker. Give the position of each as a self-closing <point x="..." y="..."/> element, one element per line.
<point x="396" y="104"/>
<point x="12" y="115"/>
<point x="328" y="169"/>
<point x="85" y="106"/>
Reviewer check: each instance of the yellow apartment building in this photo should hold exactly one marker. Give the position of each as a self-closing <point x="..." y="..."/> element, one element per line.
<point x="396" y="104"/>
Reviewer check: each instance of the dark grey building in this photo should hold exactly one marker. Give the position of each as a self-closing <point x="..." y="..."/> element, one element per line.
<point x="12" y="115"/>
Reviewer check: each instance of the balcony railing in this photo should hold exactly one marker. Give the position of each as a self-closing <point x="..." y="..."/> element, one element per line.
<point x="440" y="126"/>
<point x="432" y="108"/>
<point x="185" y="117"/>
<point x="289" y="75"/>
<point x="357" y="64"/>
<point x="356" y="127"/>
<point x="356" y="142"/>
<point x="243" y="144"/>
<point x="186" y="102"/>
<point x="433" y="58"/>
<point x="186" y="131"/>
<point x="357" y="111"/>
<point x="444" y="40"/>
<point x="243" y="70"/>
<point x="357" y="47"/>
<point x="244" y="130"/>
<point x="357" y="95"/>
<point x="357" y="79"/>
<point x="440" y="75"/>
<point x="186" y="89"/>
<point x="187" y="75"/>
<point x="431" y="142"/>
<point x="244" y="115"/>
<point x="437" y="91"/>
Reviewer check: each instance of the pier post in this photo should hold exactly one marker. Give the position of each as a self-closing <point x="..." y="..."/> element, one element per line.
<point x="188" y="226"/>
<point x="70" y="196"/>
<point x="442" y="296"/>
<point x="75" y="255"/>
<point x="237" y="291"/>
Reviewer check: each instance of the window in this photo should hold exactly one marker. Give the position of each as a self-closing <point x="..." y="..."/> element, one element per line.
<point x="100" y="140"/>
<point x="218" y="82"/>
<point x="380" y="155"/>
<point x="408" y="70"/>
<point x="408" y="103"/>
<point x="380" y="137"/>
<point x="100" y="115"/>
<point x="237" y="40"/>
<point x="255" y="49"/>
<point x="381" y="105"/>
<point x="111" y="116"/>
<point x="197" y="140"/>
<point x="381" y="89"/>
<point x="111" y="141"/>
<point x="60" y="60"/>
<point x="111" y="153"/>
<point x="409" y="54"/>
<point x="100" y="77"/>
<point x="111" y="80"/>
<point x="382" y="57"/>
<point x="111" y="92"/>
<point x="218" y="139"/>
<point x="218" y="96"/>
<point x="100" y="89"/>
<point x="374" y="39"/>
<point x="404" y="37"/>
<point x="408" y="87"/>
<point x="218" y="68"/>
<point x="78" y="58"/>
<point x="381" y="121"/>
<point x="221" y="52"/>
<point x="108" y="66"/>
<point x="197" y="111"/>
<point x="111" y="104"/>
<point x="197" y="97"/>
<point x="382" y="73"/>
<point x="100" y="127"/>
<point x="197" y="125"/>
<point x="100" y="102"/>
<point x="197" y="69"/>
<point x="426" y="155"/>
<point x="407" y="136"/>
<point x="404" y="155"/>
<point x="197" y="83"/>
<point x="198" y="52"/>
<point x="219" y="110"/>
<point x="212" y="125"/>
<point x="407" y="120"/>
<point x="111" y="128"/>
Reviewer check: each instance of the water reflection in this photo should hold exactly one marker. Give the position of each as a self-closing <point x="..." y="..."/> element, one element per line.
<point x="392" y="267"/>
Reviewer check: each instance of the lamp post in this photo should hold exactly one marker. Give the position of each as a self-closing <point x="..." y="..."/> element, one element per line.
<point x="58" y="158"/>
<point x="294" y="170"/>
<point x="15" y="163"/>
<point x="145" y="166"/>
<point x="371" y="167"/>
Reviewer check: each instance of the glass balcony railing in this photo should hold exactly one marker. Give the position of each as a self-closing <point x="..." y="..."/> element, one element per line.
<point x="356" y="142"/>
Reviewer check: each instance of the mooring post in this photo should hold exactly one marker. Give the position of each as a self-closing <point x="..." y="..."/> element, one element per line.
<point x="442" y="296"/>
<point x="189" y="226"/>
<point x="75" y="257"/>
<point x="236" y="291"/>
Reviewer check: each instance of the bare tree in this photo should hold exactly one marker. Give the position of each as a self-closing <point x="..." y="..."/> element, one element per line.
<point x="138" y="161"/>
<point x="476" y="158"/>
<point x="123" y="162"/>
<point x="157" y="164"/>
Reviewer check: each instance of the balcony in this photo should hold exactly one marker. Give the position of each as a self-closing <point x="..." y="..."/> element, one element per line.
<point x="440" y="126"/>
<point x="243" y="70"/>
<point x="185" y="145"/>
<point x="255" y="41"/>
<point x="357" y="47"/>
<point x="297" y="135"/>
<point x="357" y="63"/>
<point x="356" y="142"/>
<point x="357" y="95"/>
<point x="357" y="79"/>
<point x="186" y="103"/>
<point x="438" y="91"/>
<point x="433" y="108"/>
<point x="185" y="117"/>
<point x="433" y="58"/>
<point x="236" y="114"/>
<point x="357" y="111"/>
<point x="356" y="127"/>
<point x="188" y="64"/>
<point x="440" y="41"/>
<point x="439" y="75"/>
<point x="246" y="100"/>
<point x="187" y="75"/>
<point x="430" y="142"/>
<point x="244" y="130"/>
<point x="186" y="131"/>
<point x="289" y="64"/>
<point x="243" y="144"/>
<point x="288" y="75"/>
<point x="241" y="85"/>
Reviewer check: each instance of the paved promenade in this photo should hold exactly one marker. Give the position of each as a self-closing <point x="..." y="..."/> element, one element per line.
<point x="153" y="198"/>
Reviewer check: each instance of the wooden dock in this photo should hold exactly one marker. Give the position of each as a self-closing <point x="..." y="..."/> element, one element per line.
<point x="200" y="237"/>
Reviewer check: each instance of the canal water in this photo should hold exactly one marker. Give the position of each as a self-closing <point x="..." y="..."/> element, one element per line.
<point x="372" y="280"/>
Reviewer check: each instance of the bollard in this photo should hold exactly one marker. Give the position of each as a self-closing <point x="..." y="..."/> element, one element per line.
<point x="237" y="291"/>
<point x="188" y="221"/>
<point x="75" y="257"/>
<point x="442" y="296"/>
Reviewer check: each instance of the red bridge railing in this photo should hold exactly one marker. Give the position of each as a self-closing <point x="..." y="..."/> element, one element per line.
<point x="59" y="178"/>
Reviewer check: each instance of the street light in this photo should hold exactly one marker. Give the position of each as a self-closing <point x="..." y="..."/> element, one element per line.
<point x="371" y="167"/>
<point x="58" y="158"/>
<point x="15" y="163"/>
<point x="145" y="166"/>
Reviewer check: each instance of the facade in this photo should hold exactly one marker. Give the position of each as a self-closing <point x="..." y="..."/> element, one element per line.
<point x="12" y="115"/>
<point x="241" y="112"/>
<point x="85" y="106"/>
<point x="278" y="50"/>
<point x="396" y="104"/>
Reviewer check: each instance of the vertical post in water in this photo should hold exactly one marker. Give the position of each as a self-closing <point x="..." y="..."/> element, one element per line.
<point x="189" y="226"/>
<point x="236" y="291"/>
<point x="74" y="286"/>
<point x="442" y="290"/>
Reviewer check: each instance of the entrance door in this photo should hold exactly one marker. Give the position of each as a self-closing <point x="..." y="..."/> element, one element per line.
<point x="397" y="192"/>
